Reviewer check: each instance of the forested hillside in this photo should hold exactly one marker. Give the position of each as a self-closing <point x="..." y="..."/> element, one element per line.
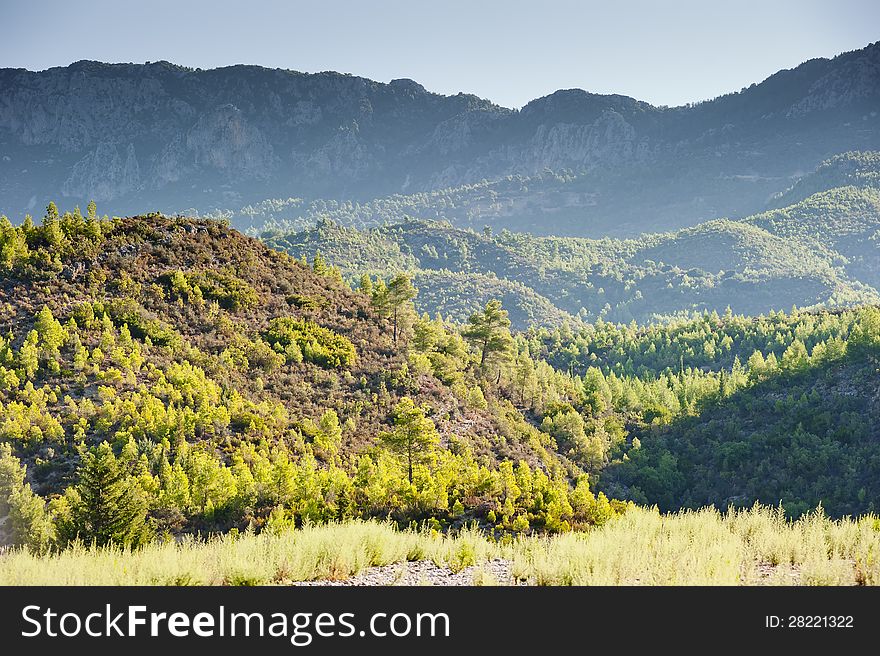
<point x="208" y="382"/>
<point x="728" y="410"/>
<point x="850" y="169"/>
<point x="725" y="409"/>
<point x="842" y="222"/>
<point x="165" y="375"/>
<point x="822" y="251"/>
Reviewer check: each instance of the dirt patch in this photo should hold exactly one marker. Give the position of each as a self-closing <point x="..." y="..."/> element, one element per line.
<point x="786" y="574"/>
<point x="425" y="572"/>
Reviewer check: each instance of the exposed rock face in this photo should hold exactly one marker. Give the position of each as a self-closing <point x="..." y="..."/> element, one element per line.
<point x="610" y="139"/>
<point x="104" y="174"/>
<point x="157" y="135"/>
<point x="222" y="141"/>
<point x="856" y="80"/>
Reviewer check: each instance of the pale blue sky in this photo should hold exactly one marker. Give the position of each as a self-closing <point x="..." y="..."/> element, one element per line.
<point x="666" y="52"/>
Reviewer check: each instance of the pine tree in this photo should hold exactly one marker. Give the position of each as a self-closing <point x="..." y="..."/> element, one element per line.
<point x="366" y="284"/>
<point x="597" y="393"/>
<point x="13" y="244"/>
<point x="28" y="523"/>
<point x="29" y="356"/>
<point x="52" y="211"/>
<point x="393" y="300"/>
<point x="319" y="266"/>
<point x="489" y="331"/>
<point x="526" y="379"/>
<point x="107" y="507"/>
<point x="27" y="226"/>
<point x="52" y="335"/>
<point x="329" y="435"/>
<point x="414" y="437"/>
<point x="93" y="225"/>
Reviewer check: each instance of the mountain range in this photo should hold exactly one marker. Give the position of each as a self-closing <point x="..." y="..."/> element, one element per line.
<point x="138" y="137"/>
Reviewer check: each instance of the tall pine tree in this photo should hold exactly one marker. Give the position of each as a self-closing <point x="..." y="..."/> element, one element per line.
<point x="489" y="331"/>
<point x="107" y="507"/>
<point x="414" y="437"/>
<point x="393" y="301"/>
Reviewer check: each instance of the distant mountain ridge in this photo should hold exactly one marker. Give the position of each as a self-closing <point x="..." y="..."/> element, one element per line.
<point x="136" y="137"/>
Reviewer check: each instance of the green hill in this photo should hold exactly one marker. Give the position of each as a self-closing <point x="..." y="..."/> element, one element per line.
<point x="235" y="386"/>
<point x="855" y="168"/>
<point x="843" y="222"/>
<point x="175" y="371"/>
<point x="819" y="252"/>
<point x="804" y="437"/>
<point x="524" y="306"/>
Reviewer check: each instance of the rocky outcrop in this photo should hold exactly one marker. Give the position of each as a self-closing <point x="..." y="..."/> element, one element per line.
<point x="221" y="141"/>
<point x="104" y="174"/>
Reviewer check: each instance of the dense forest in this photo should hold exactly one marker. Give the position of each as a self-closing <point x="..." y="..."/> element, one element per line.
<point x="724" y="410"/>
<point x="164" y="375"/>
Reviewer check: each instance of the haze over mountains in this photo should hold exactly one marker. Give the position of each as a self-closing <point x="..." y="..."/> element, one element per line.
<point x="822" y="249"/>
<point x="159" y="136"/>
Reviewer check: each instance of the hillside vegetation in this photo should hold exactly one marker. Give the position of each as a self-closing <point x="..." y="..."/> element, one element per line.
<point x="212" y="383"/>
<point x="730" y="410"/>
<point x="851" y="169"/>
<point x="822" y="251"/>
<point x="164" y="376"/>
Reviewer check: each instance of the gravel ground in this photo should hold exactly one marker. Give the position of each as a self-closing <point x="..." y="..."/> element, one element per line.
<point x="425" y="572"/>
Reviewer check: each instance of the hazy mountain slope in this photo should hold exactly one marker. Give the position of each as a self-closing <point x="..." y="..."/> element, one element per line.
<point x="844" y="221"/>
<point x="852" y="169"/>
<point x="517" y="198"/>
<point x="525" y="307"/>
<point x="175" y="138"/>
<point x="820" y="251"/>
<point x="540" y="204"/>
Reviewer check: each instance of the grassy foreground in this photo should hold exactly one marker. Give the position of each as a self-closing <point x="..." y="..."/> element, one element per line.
<point x="643" y="547"/>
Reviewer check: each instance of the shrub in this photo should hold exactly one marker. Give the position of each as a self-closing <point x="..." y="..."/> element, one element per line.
<point x="140" y="324"/>
<point x="318" y="345"/>
<point x="230" y="291"/>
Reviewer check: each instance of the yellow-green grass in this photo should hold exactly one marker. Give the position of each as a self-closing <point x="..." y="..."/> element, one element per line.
<point x="643" y="547"/>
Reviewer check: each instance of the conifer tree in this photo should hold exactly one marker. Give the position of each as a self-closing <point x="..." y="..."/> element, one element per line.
<point x="489" y="331"/>
<point x="13" y="244"/>
<point x="597" y="393"/>
<point x="27" y="226"/>
<point x="51" y="211"/>
<point x="393" y="300"/>
<point x="366" y="284"/>
<point x="329" y="435"/>
<point x="28" y="522"/>
<point x="319" y="266"/>
<point x="107" y="507"/>
<point x="29" y="355"/>
<point x="414" y="437"/>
